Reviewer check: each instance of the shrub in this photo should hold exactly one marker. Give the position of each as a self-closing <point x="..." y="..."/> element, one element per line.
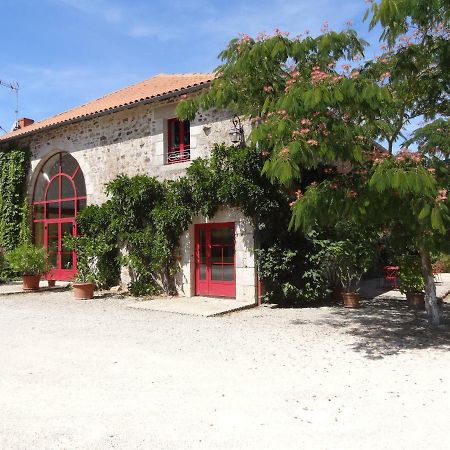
<point x="442" y="261"/>
<point x="28" y="260"/>
<point x="410" y="276"/>
<point x="89" y="251"/>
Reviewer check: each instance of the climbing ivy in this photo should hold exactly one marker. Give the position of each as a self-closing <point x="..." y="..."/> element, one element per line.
<point x="14" y="165"/>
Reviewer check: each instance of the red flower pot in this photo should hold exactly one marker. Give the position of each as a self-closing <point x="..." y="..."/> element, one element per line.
<point x="83" y="291"/>
<point x="416" y="300"/>
<point x="351" y="299"/>
<point x="31" y="282"/>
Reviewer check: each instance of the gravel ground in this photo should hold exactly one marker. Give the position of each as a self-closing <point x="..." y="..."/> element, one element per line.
<point x="98" y="375"/>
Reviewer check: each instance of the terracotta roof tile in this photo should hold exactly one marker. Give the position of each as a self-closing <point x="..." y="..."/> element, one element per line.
<point x="152" y="88"/>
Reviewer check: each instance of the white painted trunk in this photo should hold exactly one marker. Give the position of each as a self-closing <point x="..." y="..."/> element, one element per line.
<point x="431" y="303"/>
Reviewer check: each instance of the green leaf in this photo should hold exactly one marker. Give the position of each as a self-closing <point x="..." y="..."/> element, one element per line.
<point x="425" y="212"/>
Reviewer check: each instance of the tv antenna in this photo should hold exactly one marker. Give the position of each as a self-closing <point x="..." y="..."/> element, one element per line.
<point x="14" y="86"/>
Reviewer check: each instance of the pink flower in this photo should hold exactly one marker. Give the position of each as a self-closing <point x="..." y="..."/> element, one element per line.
<point x="442" y="195"/>
<point x="385" y="75"/>
<point x="312" y="142"/>
<point x="304" y="131"/>
<point x="268" y="89"/>
<point x="305" y="122"/>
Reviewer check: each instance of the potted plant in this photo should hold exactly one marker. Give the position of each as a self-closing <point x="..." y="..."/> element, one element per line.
<point x="29" y="261"/>
<point x="411" y="282"/>
<point x="88" y="251"/>
<point x="350" y="260"/>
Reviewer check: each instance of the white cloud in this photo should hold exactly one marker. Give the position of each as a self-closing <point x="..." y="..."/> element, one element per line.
<point x="146" y="31"/>
<point x="100" y="8"/>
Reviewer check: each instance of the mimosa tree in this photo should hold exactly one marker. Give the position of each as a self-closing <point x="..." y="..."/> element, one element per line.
<point x="312" y="102"/>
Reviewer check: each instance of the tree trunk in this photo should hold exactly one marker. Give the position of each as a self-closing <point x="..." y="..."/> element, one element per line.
<point x="431" y="304"/>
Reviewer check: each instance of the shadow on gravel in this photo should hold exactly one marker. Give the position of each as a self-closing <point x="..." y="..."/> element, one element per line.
<point x="388" y="327"/>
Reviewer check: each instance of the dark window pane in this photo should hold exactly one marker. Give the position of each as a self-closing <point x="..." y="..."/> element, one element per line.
<point x="81" y="204"/>
<point x="68" y="164"/>
<point x="39" y="189"/>
<point x="53" y="190"/>
<point x="216" y="254"/>
<point x="53" y="211"/>
<point x="216" y="272"/>
<point x="51" y="167"/>
<point x="222" y="236"/>
<point x="68" y="209"/>
<point x="66" y="261"/>
<point x="67" y="188"/>
<point x="187" y="133"/>
<point x="176" y="133"/>
<point x="66" y="230"/>
<point x="228" y="273"/>
<point x="202" y="237"/>
<point x="38" y="234"/>
<point x="228" y="254"/>
<point x="52" y="240"/>
<point x="39" y="212"/>
<point x="203" y="272"/>
<point x="53" y="259"/>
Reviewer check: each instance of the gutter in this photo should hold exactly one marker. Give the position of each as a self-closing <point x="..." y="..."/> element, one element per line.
<point x="113" y="110"/>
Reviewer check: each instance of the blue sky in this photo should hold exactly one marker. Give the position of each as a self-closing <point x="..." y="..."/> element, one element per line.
<point x="66" y="52"/>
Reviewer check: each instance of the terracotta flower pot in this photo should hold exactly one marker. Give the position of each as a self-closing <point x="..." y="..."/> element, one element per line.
<point x="416" y="300"/>
<point x="83" y="291"/>
<point x="351" y="299"/>
<point x="31" y="282"/>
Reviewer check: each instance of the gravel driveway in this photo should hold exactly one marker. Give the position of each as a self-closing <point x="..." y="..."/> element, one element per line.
<point x="99" y="375"/>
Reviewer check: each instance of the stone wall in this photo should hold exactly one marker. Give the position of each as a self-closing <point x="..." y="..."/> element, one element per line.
<point x="134" y="141"/>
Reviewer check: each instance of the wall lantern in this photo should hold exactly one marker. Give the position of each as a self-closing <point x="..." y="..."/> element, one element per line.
<point x="237" y="132"/>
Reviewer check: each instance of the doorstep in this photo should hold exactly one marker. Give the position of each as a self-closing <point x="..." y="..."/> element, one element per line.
<point x="15" y="288"/>
<point x="193" y="306"/>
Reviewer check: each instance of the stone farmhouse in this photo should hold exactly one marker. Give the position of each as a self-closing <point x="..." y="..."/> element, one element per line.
<point x="134" y="131"/>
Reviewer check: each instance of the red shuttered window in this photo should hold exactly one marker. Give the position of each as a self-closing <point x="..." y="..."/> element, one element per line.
<point x="179" y="141"/>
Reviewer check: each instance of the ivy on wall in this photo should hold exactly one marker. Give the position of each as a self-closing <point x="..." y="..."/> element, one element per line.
<point x="14" y="214"/>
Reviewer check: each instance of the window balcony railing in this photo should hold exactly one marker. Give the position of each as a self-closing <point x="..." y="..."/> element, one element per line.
<point x="178" y="155"/>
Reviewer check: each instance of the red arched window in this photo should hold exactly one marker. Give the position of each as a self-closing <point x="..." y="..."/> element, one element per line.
<point x="59" y="194"/>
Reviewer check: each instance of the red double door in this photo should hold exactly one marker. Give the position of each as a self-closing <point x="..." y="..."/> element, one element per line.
<point x="215" y="268"/>
<point x="62" y="260"/>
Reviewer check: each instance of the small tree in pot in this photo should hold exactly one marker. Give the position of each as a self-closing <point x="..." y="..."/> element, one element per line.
<point x="350" y="260"/>
<point x="30" y="262"/>
<point x="411" y="282"/>
<point x="88" y="250"/>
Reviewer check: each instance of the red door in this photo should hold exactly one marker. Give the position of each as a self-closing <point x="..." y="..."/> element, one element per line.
<point x="62" y="260"/>
<point x="215" y="273"/>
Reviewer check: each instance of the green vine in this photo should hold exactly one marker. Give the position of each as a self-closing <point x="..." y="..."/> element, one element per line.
<point x="14" y="166"/>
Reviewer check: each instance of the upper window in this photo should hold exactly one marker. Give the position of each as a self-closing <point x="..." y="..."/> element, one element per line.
<point x="179" y="141"/>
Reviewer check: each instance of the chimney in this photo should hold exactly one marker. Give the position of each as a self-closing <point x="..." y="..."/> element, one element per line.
<point x="24" y="122"/>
